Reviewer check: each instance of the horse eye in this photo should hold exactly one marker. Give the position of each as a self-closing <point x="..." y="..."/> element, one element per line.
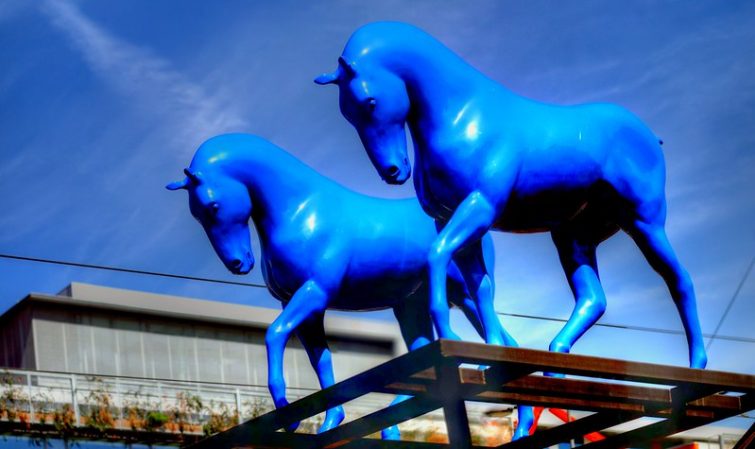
<point x="371" y="104"/>
<point x="214" y="207"/>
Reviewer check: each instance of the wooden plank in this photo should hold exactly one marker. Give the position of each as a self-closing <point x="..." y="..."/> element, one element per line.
<point x="558" y="387"/>
<point x="715" y="402"/>
<point x="670" y="426"/>
<point x="347" y="390"/>
<point x="367" y="443"/>
<point x="655" y="405"/>
<point x="589" y="389"/>
<point x="478" y="353"/>
<point x="553" y="387"/>
<point x="593" y="405"/>
<point x="648" y="433"/>
<point x="568" y="431"/>
<point x="570" y="393"/>
<point x="431" y="374"/>
<point x="747" y="440"/>
<point x="394" y="414"/>
<point x="276" y="440"/>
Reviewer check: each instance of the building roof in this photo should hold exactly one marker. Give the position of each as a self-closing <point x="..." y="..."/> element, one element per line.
<point x="133" y="301"/>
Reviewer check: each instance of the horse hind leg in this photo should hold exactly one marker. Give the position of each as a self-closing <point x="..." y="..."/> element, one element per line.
<point x="577" y="256"/>
<point x="414" y="320"/>
<point x="311" y="333"/>
<point x="650" y="236"/>
<point x="417" y="331"/>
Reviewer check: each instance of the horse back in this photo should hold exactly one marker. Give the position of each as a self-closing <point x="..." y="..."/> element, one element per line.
<point x="576" y="157"/>
<point x="373" y="250"/>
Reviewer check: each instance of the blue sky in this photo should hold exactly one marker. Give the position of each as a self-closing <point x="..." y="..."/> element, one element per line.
<point x="103" y="103"/>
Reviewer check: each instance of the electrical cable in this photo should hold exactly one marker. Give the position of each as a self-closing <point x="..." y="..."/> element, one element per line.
<point x="731" y="303"/>
<point x="129" y="270"/>
<point x="255" y="285"/>
<point x="656" y="330"/>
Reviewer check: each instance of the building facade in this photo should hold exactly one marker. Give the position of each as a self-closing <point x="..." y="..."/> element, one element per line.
<point x="97" y="330"/>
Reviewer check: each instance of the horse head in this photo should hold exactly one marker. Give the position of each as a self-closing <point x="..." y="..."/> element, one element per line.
<point x="223" y="207"/>
<point x="376" y="102"/>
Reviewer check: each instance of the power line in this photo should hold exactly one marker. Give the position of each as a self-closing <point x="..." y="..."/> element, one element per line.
<point x="656" y="330"/>
<point x="731" y="303"/>
<point x="129" y="270"/>
<point x="255" y="285"/>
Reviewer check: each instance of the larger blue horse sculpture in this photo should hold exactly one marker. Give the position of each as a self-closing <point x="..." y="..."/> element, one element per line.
<point x="486" y="158"/>
<point x="327" y="247"/>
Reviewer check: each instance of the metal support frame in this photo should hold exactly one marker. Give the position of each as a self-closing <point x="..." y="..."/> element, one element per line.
<point x="684" y="398"/>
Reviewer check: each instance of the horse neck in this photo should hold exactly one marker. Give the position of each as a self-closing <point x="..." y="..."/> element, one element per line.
<point x="277" y="183"/>
<point x="437" y="81"/>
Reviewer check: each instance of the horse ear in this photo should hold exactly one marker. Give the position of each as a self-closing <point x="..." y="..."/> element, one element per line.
<point x="177" y="185"/>
<point x="327" y="78"/>
<point x="194" y="177"/>
<point x="344" y="69"/>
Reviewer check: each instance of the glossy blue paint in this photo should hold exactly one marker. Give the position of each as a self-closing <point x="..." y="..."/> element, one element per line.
<point x="327" y="247"/>
<point x="487" y="158"/>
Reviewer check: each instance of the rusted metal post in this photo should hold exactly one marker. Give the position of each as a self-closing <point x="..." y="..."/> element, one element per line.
<point x="31" y="402"/>
<point x="237" y="397"/>
<point x="74" y="402"/>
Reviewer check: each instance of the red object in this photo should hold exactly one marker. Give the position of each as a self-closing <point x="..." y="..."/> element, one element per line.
<point x="563" y="415"/>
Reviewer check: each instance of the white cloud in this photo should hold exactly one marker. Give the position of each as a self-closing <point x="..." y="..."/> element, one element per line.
<point x="180" y="112"/>
<point x="145" y="78"/>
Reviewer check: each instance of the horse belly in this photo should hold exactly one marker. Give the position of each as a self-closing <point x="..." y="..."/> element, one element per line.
<point x="388" y="266"/>
<point x="377" y="293"/>
<point x="541" y="212"/>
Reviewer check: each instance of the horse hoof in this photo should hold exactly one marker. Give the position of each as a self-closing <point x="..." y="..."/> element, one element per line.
<point x="391" y="433"/>
<point x="558" y="346"/>
<point x="699" y="360"/>
<point x="563" y="348"/>
<point x="332" y="419"/>
<point x="520" y="433"/>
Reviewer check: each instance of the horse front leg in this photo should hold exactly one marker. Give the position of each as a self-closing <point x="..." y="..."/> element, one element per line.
<point x="479" y="280"/>
<point x="481" y="288"/>
<point x="470" y="221"/>
<point x="309" y="300"/>
<point x="312" y="336"/>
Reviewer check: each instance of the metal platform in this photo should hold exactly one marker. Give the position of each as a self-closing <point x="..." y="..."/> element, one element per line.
<point x="616" y="391"/>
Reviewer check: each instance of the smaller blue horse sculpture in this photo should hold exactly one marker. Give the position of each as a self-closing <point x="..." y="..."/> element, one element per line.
<point x="486" y="158"/>
<point x="327" y="247"/>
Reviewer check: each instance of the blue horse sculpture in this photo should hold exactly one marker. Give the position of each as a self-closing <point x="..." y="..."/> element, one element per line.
<point x="486" y="158"/>
<point x="327" y="247"/>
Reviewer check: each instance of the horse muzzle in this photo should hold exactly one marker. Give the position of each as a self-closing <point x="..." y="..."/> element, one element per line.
<point x="397" y="176"/>
<point x="241" y="266"/>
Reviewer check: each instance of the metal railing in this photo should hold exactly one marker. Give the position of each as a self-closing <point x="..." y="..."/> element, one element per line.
<point x="70" y="401"/>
